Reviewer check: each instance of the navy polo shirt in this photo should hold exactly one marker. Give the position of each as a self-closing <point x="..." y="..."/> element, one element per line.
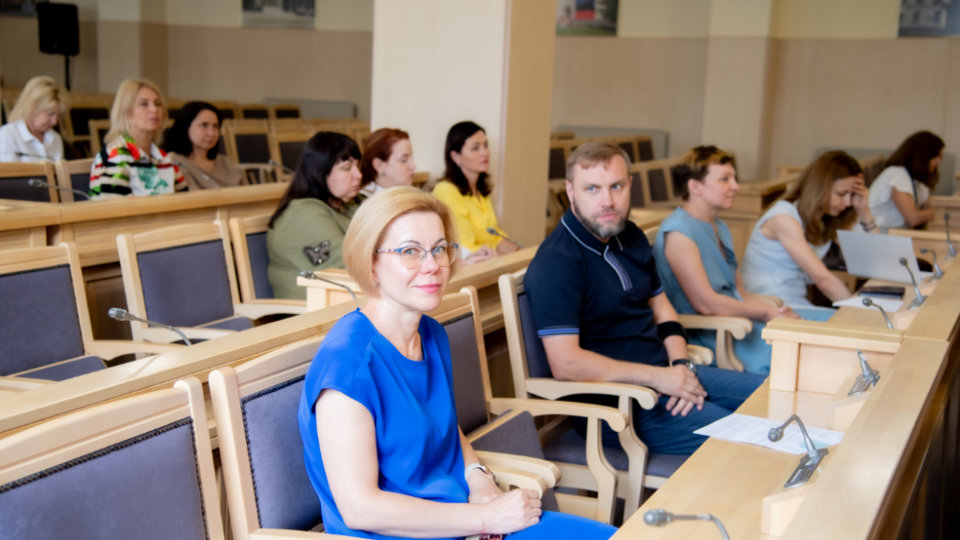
<point x="579" y="285"/>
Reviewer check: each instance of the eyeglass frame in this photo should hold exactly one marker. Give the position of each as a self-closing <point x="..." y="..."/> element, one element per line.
<point x="423" y="258"/>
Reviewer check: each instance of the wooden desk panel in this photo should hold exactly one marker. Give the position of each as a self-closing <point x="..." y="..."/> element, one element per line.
<point x="23" y="224"/>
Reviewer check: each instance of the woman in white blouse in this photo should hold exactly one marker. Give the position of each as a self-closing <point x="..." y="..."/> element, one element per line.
<point x="900" y="196"/>
<point x="29" y="136"/>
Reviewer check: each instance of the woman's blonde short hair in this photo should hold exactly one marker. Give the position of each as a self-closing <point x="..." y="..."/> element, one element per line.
<point x="373" y="219"/>
<point x="123" y="105"/>
<point x="38" y="94"/>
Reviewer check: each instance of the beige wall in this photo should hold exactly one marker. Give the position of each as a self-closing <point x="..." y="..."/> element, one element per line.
<point x="22" y="60"/>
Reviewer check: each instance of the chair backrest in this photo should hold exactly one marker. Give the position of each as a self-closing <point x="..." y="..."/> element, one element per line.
<point x="558" y="159"/>
<point x="528" y="358"/>
<point x="872" y="167"/>
<point x="287" y="147"/>
<point x="249" y="238"/>
<point x="181" y="276"/>
<point x="285" y="111"/>
<point x="98" y="130"/>
<point x="75" y="124"/>
<point x="15" y="182"/>
<point x="140" y="467"/>
<point x="227" y="109"/>
<point x="254" y="111"/>
<point x="73" y="174"/>
<point x="43" y="311"/>
<point x="656" y="185"/>
<point x="471" y="382"/>
<point x="247" y="141"/>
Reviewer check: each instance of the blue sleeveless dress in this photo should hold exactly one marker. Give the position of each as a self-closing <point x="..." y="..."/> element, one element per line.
<point x="411" y="402"/>
<point x="721" y="269"/>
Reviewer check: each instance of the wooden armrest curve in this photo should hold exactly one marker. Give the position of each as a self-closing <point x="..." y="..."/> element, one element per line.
<point x="554" y="389"/>
<point x="537" y="407"/>
<point x="738" y="327"/>
<point x="540" y="467"/>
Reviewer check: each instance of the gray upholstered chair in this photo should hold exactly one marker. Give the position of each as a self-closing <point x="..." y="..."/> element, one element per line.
<point x="15" y="182"/>
<point x="268" y="490"/>
<point x="506" y="425"/>
<point x="74" y="174"/>
<point x="45" y="330"/>
<point x="532" y="377"/>
<point x="140" y="467"/>
<point x="183" y="276"/>
<point x="249" y="238"/>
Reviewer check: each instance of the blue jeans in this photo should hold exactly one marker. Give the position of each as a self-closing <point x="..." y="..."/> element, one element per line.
<point x="664" y="433"/>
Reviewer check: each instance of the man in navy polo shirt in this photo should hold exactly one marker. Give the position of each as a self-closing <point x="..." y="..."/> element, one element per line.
<point x="602" y="314"/>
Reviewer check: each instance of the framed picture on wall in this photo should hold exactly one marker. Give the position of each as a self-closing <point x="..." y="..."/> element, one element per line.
<point x="587" y="17"/>
<point x="929" y="18"/>
<point x="278" y="13"/>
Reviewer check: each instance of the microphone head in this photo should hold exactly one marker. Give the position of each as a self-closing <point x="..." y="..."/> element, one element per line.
<point x="867" y="302"/>
<point x="903" y="261"/>
<point x="657" y="517"/>
<point x="491" y="230"/>
<point x="118" y="314"/>
<point x="306" y="274"/>
<point x="946" y="216"/>
<point x="775" y="434"/>
<point x="923" y="250"/>
<point x="33" y="182"/>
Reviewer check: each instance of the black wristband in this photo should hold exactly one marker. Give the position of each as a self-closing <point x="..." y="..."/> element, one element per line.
<point x="670" y="328"/>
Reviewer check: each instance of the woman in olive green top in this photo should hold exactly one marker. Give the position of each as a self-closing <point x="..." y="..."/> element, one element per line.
<point x="306" y="232"/>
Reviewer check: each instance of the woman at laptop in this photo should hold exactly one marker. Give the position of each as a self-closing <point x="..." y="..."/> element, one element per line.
<point x="900" y="196"/>
<point x="787" y="245"/>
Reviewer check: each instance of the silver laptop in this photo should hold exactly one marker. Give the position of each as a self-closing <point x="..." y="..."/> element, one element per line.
<point x="877" y="256"/>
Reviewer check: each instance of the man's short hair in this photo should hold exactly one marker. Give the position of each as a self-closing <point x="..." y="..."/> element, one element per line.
<point x="591" y="153"/>
<point x="695" y="164"/>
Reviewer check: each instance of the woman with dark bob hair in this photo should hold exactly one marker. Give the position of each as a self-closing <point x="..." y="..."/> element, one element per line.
<point x="900" y="196"/>
<point x="192" y="143"/>
<point x="306" y="232"/>
<point x="466" y="188"/>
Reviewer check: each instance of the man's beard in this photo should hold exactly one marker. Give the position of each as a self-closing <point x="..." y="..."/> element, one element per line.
<point x="595" y="228"/>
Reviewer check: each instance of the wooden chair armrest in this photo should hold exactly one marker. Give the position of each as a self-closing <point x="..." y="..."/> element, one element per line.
<point x="738" y="327"/>
<point x="554" y="389"/>
<point x="701" y="356"/>
<point x="767" y="299"/>
<point x="112" y="348"/>
<point x="537" y="407"/>
<point x="15" y="385"/>
<point x="540" y="467"/>
<point x="255" y="310"/>
<point x="521" y="479"/>
<point x="162" y="335"/>
<point x="285" y="534"/>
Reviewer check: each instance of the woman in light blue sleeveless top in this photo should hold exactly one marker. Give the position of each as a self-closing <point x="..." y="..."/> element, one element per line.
<point x="696" y="259"/>
<point x="382" y="446"/>
<point x="787" y="245"/>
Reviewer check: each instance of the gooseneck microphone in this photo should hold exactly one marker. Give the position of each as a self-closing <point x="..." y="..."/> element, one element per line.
<point x="660" y="517"/>
<point x="918" y="301"/>
<point x="937" y="273"/>
<point x="953" y="250"/>
<point x="809" y="462"/>
<point x="202" y="174"/>
<point x="869" y="377"/>
<point x="310" y="275"/>
<point x="491" y="230"/>
<point x="125" y="316"/>
<point x="285" y="169"/>
<point x="37" y="183"/>
<point x="870" y="303"/>
<point x="34" y="156"/>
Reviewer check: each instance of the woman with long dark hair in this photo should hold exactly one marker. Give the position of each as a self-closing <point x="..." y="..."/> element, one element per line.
<point x="787" y="245"/>
<point x="900" y="196"/>
<point x="306" y="232"/>
<point x="466" y="188"/>
<point x="192" y="143"/>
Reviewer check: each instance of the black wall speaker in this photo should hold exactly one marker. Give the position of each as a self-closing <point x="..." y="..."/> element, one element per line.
<point x="59" y="28"/>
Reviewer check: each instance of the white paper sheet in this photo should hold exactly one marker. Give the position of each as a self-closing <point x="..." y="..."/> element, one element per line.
<point x="891" y="305"/>
<point x="753" y="430"/>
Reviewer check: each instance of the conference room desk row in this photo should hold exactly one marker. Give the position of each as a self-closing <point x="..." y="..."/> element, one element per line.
<point x="894" y="474"/>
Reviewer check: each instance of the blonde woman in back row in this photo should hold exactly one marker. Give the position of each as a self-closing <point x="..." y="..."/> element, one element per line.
<point x="29" y="136"/>
<point x="132" y="163"/>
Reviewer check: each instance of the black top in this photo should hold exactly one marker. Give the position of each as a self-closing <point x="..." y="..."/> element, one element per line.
<point x="579" y="285"/>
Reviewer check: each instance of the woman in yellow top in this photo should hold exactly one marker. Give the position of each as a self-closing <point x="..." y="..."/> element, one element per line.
<point x="465" y="188"/>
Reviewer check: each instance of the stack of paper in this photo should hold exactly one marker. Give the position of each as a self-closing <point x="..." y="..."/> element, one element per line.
<point x="752" y="430"/>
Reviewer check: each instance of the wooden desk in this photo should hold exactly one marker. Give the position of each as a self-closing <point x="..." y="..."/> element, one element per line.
<point x="945" y="204"/>
<point x="483" y="276"/>
<point x="647" y="218"/>
<point x="24" y="224"/>
<point x="94" y="225"/>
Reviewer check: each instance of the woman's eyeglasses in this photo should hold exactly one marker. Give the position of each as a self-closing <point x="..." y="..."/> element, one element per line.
<point x="412" y="257"/>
